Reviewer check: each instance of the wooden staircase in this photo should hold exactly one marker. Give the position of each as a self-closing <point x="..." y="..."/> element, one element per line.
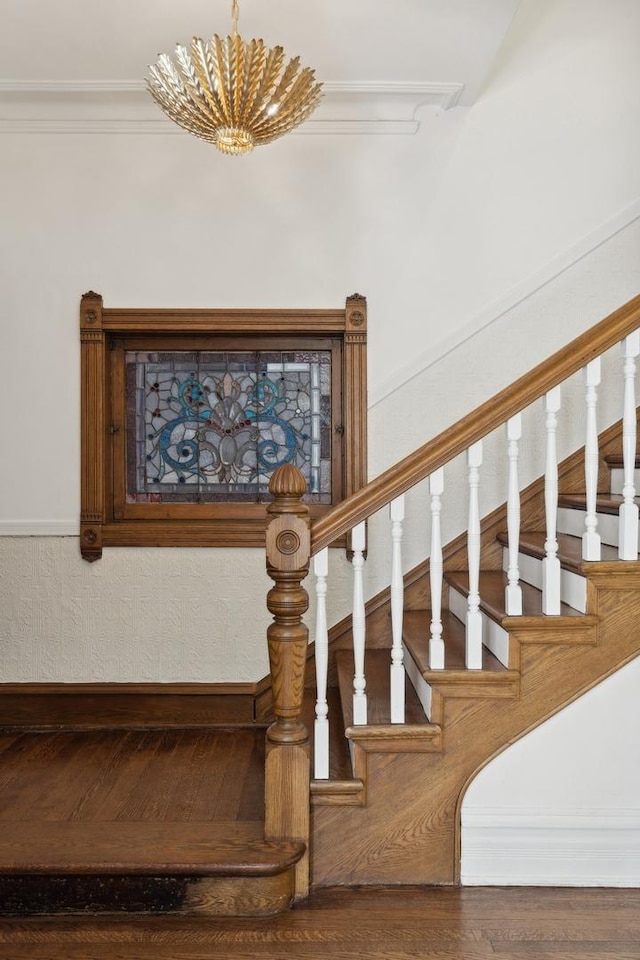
<point x="396" y="818"/>
<point x="400" y="822"/>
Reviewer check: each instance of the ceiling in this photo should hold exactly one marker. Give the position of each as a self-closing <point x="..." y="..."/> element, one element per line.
<point x="77" y="42"/>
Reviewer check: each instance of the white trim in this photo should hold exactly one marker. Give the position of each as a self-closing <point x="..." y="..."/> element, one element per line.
<point x="567" y="847"/>
<point x="571" y="520"/>
<point x="420" y="685"/>
<point x="439" y="348"/>
<point x="494" y="637"/>
<point x="573" y="587"/>
<point x="116" y="107"/>
<point x="39" y="528"/>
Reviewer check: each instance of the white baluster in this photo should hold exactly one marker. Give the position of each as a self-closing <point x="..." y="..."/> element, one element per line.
<point x="396" y="515"/>
<point x="436" y="642"/>
<point x="628" y="515"/>
<point x="551" y="563"/>
<point x="590" y="537"/>
<point x="358" y="538"/>
<point x="513" y="590"/>
<point x="321" y="725"/>
<point x="474" y="617"/>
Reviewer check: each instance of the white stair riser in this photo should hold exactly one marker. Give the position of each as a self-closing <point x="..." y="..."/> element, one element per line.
<point x="573" y="587"/>
<point x="420" y="685"/>
<point x="572" y="522"/>
<point x="617" y="480"/>
<point x="494" y="637"/>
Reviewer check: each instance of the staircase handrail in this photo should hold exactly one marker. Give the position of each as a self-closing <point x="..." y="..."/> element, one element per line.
<point x="457" y="438"/>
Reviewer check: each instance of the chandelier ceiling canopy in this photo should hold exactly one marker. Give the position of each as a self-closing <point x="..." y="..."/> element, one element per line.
<point x="233" y="93"/>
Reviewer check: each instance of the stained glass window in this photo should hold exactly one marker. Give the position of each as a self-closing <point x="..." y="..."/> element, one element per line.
<point x="207" y="427"/>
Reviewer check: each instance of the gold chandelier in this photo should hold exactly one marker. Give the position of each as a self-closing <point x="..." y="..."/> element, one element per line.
<point x="234" y="94"/>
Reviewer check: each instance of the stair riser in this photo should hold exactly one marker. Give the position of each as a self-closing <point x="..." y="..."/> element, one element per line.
<point x="34" y="895"/>
<point x="617" y="480"/>
<point x="420" y="685"/>
<point x="571" y="521"/>
<point x="494" y="637"/>
<point x="573" y="587"/>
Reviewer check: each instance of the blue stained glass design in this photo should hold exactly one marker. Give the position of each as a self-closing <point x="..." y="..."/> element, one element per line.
<point x="213" y="426"/>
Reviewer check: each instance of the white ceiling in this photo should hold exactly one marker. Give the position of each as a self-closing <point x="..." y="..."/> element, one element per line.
<point x="347" y="41"/>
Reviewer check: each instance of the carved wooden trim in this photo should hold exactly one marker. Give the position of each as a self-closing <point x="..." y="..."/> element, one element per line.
<point x="355" y="387"/>
<point x="147" y="705"/>
<point x="92" y="385"/>
<point x="467" y="431"/>
<point x="287" y="774"/>
<point x="106" y="333"/>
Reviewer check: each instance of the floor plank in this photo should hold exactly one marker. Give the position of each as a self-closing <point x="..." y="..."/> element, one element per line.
<point x="367" y="923"/>
<point x="136" y="775"/>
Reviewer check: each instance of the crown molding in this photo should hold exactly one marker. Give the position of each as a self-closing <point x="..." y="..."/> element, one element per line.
<point x="123" y="106"/>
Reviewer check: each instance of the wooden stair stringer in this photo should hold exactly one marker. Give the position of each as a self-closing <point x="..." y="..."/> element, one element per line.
<point x="409" y="830"/>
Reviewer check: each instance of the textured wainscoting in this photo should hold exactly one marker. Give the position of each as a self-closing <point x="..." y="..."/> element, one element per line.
<point x="137" y="615"/>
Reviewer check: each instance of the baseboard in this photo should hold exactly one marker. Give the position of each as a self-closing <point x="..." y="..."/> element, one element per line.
<point x="570" y="847"/>
<point x="152" y="705"/>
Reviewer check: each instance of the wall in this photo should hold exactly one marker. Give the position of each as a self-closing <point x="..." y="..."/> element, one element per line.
<point x="164" y="220"/>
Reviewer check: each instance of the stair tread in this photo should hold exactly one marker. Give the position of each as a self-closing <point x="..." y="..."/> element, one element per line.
<point x="125" y="847"/>
<point x="377" y="666"/>
<point x="492" y="594"/>
<point x="569" y="548"/>
<point x="605" y="503"/>
<point x="616" y="460"/>
<point x="416" y="637"/>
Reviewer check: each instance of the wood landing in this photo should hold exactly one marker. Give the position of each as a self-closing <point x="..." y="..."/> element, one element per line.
<point x="138" y="821"/>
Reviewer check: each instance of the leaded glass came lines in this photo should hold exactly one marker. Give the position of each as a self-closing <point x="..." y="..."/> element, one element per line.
<point x="213" y="426"/>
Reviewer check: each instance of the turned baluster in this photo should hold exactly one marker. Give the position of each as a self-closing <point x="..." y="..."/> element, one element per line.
<point x="513" y="590"/>
<point x="551" y="562"/>
<point x="436" y="566"/>
<point x="396" y="515"/>
<point x="473" y="657"/>
<point x="358" y="542"/>
<point x="628" y="514"/>
<point x="287" y="751"/>
<point x="321" y="725"/>
<point x="590" y="537"/>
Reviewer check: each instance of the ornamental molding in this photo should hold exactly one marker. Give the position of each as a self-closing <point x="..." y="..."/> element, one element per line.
<point x="125" y="107"/>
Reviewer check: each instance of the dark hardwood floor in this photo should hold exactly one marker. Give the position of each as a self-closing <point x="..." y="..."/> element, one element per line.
<point x="368" y="924"/>
<point x="132" y="775"/>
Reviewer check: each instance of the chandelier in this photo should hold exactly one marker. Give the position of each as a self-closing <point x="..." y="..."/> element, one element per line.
<point x="234" y="94"/>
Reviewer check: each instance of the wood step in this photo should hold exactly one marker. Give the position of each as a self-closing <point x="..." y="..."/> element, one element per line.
<point x="493" y="680"/>
<point x="379" y="734"/>
<point x="503" y="634"/>
<point x="605" y="503"/>
<point x="492" y="597"/>
<point x="569" y="548"/>
<point x="221" y="869"/>
<point x="615" y="461"/>
<point x="138" y="821"/>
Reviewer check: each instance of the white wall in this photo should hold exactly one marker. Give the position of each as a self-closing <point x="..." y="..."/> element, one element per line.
<point x="442" y="231"/>
<point x="561" y="806"/>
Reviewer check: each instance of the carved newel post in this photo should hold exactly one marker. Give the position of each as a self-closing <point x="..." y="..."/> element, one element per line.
<point x="287" y="762"/>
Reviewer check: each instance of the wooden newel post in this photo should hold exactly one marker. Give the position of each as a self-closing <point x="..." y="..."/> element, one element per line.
<point x="287" y="762"/>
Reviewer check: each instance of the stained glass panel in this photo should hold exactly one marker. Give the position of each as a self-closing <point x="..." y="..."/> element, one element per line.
<point x="208" y="427"/>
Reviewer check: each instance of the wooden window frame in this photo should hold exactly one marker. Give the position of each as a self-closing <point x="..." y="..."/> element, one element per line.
<point x="107" y="333"/>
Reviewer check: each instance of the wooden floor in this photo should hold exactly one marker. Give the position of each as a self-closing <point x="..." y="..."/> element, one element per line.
<point x="132" y="775"/>
<point x="397" y="924"/>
